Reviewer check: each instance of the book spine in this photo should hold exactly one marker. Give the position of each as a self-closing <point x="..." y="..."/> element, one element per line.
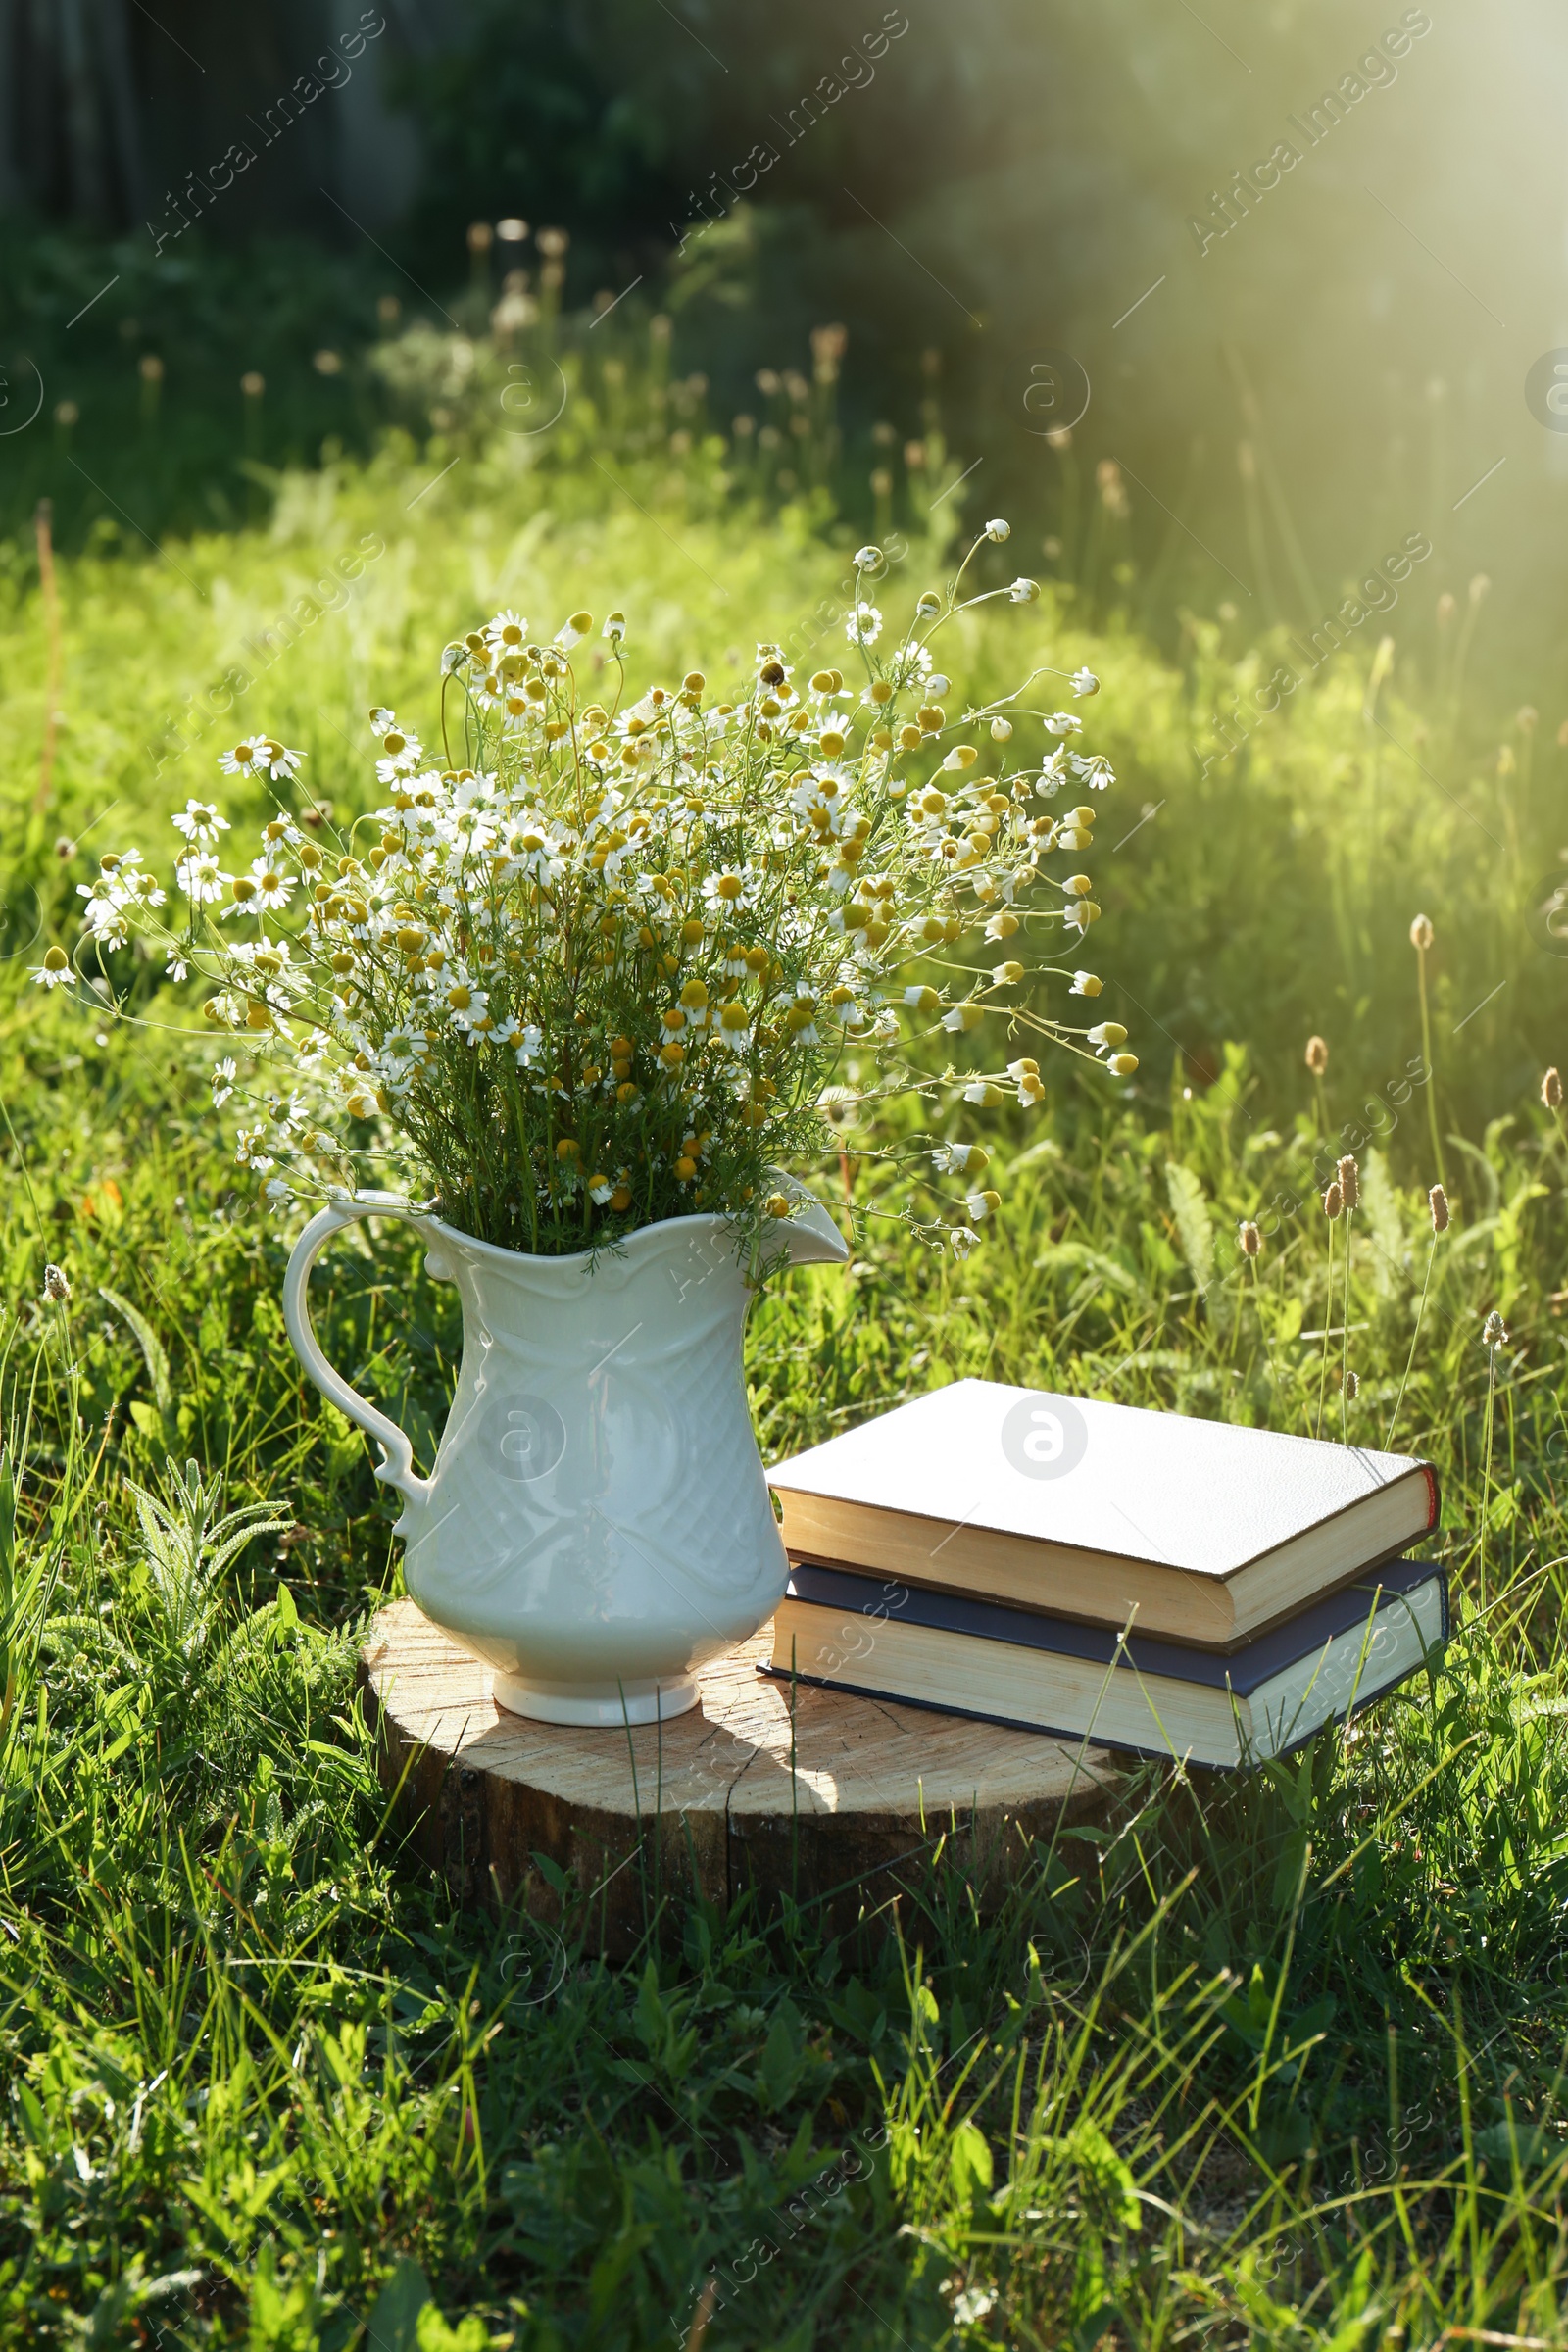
<point x="1434" y="1501"/>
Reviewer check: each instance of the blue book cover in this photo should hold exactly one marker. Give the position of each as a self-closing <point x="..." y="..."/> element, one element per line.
<point x="880" y="1638"/>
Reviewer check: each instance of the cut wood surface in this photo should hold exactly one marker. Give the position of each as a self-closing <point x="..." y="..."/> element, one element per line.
<point x="833" y="1800"/>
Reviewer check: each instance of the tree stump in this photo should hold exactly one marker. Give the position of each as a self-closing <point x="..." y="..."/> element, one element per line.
<point x="786" y="1790"/>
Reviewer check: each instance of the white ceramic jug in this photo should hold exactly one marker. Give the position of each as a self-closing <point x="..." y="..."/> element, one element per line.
<point x="597" y="1524"/>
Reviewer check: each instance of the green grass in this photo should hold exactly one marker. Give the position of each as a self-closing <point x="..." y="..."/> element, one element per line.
<point x="1274" y="2062"/>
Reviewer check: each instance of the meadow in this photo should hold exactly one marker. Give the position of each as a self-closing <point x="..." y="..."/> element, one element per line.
<point x="1274" y="2061"/>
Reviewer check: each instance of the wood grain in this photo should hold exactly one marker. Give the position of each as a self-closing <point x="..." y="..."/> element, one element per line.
<point x="835" y="1799"/>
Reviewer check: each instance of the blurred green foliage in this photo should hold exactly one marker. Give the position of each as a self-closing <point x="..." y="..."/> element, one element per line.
<point x="1009" y="182"/>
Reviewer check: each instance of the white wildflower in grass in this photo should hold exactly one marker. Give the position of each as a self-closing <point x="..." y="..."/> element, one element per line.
<point x="595" y="962"/>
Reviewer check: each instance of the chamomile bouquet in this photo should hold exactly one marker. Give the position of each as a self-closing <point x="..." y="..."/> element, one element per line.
<point x="594" y="961"/>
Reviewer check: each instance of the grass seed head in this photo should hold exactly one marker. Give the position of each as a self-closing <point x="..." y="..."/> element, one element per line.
<point x="1333" y="1202"/>
<point x="1349" y="1175"/>
<point x="1421" y="933"/>
<point x="1437" y="1203"/>
<point x="1551" y="1089"/>
<point x="1317" y="1055"/>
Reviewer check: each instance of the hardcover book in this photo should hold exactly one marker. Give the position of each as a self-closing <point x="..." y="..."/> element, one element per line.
<point x="1083" y="1509"/>
<point x="891" y="1640"/>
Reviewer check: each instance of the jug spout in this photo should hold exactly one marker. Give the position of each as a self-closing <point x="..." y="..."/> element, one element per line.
<point x="807" y="1237"/>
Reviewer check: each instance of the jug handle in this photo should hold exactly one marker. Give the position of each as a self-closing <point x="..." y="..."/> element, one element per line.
<point x="397" y="1465"/>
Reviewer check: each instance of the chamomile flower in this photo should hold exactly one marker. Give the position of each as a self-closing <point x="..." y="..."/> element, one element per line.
<point x="508" y="633"/>
<point x="55" y="969"/>
<point x="1064" y="722"/>
<point x="199" y="820"/>
<point x="958" y="1160"/>
<point x="201" y="879"/>
<point x="402" y="756"/>
<point x="274" y="888"/>
<point x="464" y="1005"/>
<point x="273" y="760"/>
<point x="908" y="665"/>
<point x="732" y="1028"/>
<point x="865" y="624"/>
<point x="224" y="1074"/>
<point x="282" y="763"/>
<point x="1084" y="681"/>
<point x="248" y="758"/>
<point x="1053" y="772"/>
<point x="536" y="853"/>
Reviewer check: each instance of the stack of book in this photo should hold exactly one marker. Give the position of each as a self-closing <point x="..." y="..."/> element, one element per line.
<point x="1176" y="1587"/>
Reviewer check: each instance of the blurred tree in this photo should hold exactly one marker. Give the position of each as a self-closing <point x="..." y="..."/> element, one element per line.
<point x="69" y="120"/>
<point x="111" y="111"/>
